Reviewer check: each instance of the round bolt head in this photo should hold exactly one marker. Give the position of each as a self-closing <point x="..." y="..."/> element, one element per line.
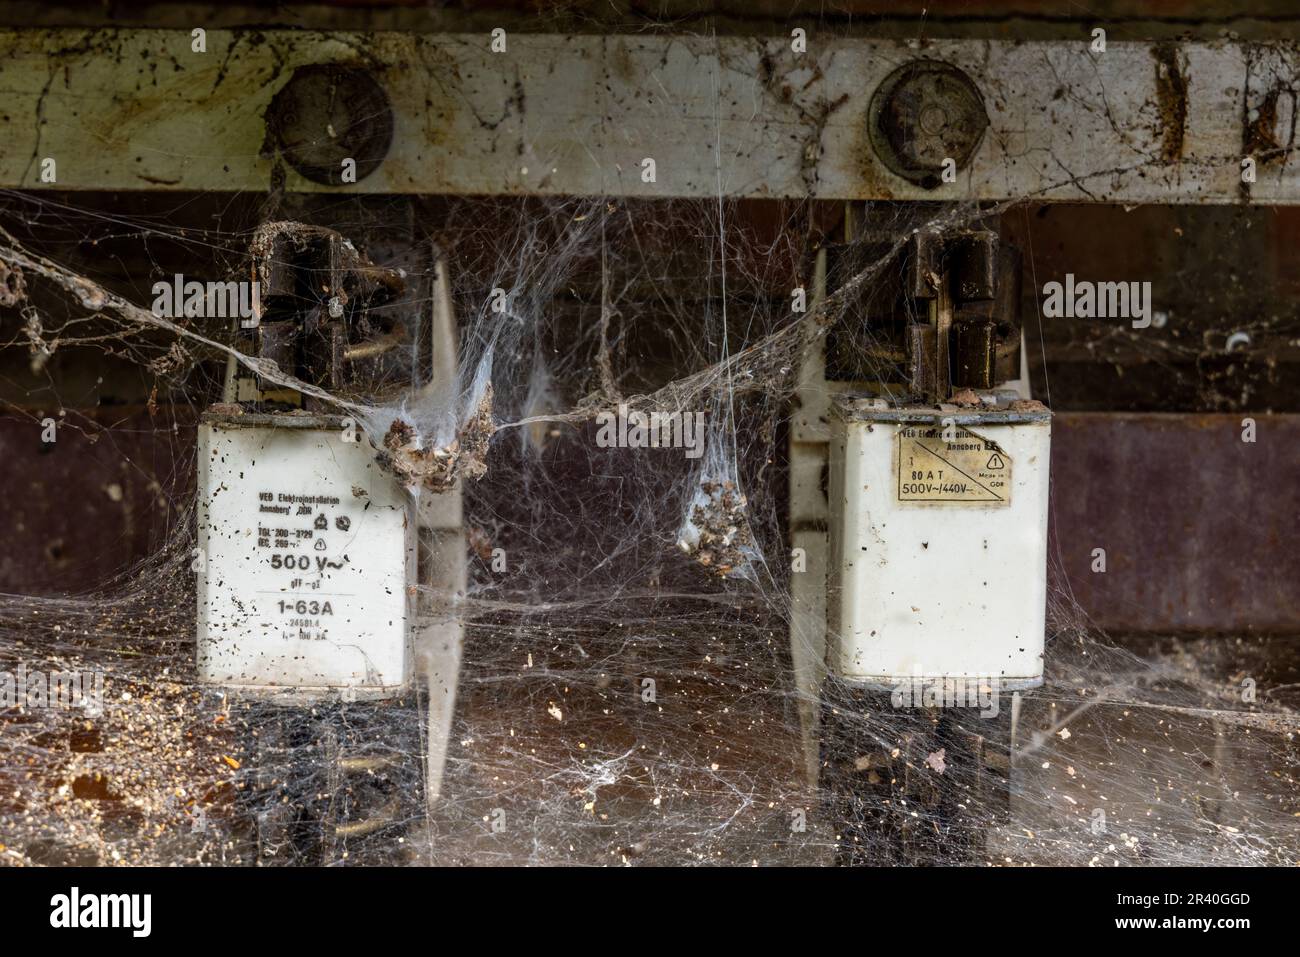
<point x="326" y="114"/>
<point x="925" y="112"/>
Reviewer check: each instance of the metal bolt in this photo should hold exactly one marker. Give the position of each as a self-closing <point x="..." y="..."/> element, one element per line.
<point x="925" y="112"/>
<point x="329" y="113"/>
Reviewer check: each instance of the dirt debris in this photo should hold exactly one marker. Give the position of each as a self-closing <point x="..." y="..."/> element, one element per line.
<point x="723" y="537"/>
<point x="13" y="287"/>
<point x="438" y="468"/>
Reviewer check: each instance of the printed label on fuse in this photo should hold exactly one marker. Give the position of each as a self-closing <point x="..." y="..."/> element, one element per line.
<point x="304" y="535"/>
<point x="968" y="470"/>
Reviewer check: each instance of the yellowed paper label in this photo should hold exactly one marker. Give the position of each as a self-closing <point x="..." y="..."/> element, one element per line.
<point x="952" y="466"/>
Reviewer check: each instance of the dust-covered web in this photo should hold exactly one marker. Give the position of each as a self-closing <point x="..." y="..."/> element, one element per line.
<point x="626" y="692"/>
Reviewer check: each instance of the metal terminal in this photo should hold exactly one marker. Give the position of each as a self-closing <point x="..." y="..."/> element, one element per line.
<point x="371" y="819"/>
<point x="969" y="282"/>
<point x="373" y="348"/>
<point x="319" y="318"/>
<point x="923" y="113"/>
<point x="974" y="355"/>
<point x="975" y="270"/>
<point x="361" y="764"/>
<point x="327" y="114"/>
<point x="922" y="359"/>
<point x="384" y="817"/>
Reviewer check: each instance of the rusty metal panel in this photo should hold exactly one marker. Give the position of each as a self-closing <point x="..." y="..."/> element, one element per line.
<point x="1198" y="526"/>
<point x="552" y="114"/>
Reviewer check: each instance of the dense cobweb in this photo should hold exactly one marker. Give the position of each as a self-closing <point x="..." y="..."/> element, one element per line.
<point x="627" y="691"/>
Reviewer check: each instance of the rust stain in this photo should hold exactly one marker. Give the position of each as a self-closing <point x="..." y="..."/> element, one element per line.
<point x="1171" y="101"/>
<point x="875" y="178"/>
<point x="1261" y="133"/>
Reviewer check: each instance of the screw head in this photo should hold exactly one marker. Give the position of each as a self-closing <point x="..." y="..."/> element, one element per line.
<point x="327" y="113"/>
<point x="925" y="112"/>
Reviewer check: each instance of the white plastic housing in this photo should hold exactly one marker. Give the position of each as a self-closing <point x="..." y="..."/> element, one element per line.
<point x="921" y="587"/>
<point x="307" y="560"/>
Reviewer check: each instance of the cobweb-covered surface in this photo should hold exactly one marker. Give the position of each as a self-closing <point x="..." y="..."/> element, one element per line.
<point x="557" y="754"/>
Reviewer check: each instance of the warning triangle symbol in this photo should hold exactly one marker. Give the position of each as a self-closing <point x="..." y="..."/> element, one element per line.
<point x="995" y="462"/>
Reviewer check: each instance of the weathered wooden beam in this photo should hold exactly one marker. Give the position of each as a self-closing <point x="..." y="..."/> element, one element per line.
<point x="139" y="109"/>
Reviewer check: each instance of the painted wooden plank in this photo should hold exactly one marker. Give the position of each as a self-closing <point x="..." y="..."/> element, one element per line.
<point x="139" y="109"/>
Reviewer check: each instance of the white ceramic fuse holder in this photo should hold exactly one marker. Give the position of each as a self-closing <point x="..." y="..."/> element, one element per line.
<point x="307" y="550"/>
<point x="938" y="541"/>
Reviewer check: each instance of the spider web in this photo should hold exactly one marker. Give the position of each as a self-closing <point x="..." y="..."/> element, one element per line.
<point x="626" y="693"/>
